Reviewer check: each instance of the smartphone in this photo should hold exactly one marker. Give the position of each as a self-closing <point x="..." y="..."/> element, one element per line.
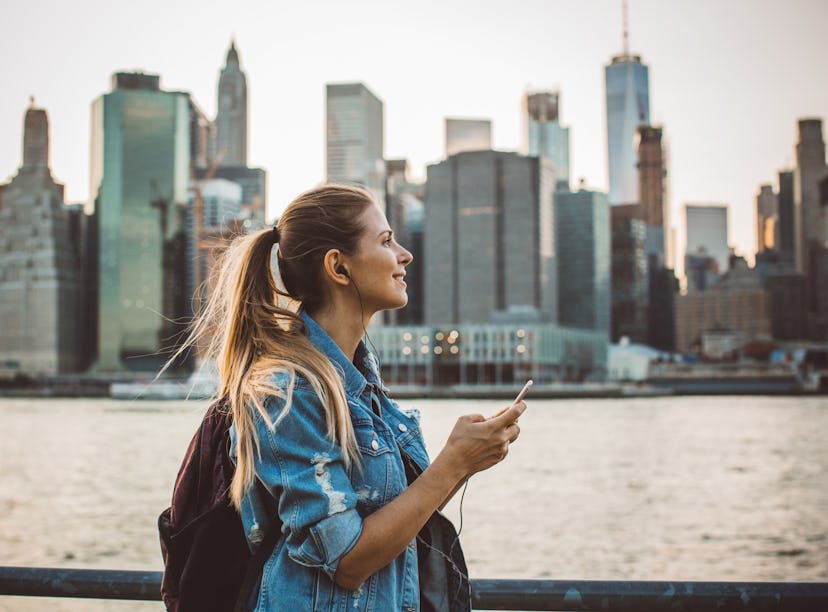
<point x="524" y="391"/>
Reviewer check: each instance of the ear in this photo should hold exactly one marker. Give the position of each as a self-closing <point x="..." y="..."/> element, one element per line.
<point x="334" y="267"/>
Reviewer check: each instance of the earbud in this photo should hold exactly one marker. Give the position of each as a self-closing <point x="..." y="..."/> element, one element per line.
<point x="343" y="271"/>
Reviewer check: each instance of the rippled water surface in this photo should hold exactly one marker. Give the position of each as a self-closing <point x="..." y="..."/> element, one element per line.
<point x="711" y="488"/>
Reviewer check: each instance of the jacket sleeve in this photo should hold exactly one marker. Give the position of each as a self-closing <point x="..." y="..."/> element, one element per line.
<point x="305" y="471"/>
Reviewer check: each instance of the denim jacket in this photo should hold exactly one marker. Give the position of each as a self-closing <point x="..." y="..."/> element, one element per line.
<point x="321" y="503"/>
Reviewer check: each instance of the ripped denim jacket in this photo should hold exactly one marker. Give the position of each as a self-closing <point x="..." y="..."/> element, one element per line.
<point x="321" y="503"/>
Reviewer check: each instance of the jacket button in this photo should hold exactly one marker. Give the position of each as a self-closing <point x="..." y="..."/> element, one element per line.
<point x="402" y="427"/>
<point x="374" y="444"/>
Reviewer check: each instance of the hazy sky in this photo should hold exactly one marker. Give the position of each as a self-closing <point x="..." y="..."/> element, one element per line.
<point x="728" y="78"/>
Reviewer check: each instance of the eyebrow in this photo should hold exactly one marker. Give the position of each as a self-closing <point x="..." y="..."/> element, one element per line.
<point x="383" y="232"/>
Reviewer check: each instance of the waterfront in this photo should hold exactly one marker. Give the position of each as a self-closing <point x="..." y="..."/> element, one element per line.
<point x="678" y="488"/>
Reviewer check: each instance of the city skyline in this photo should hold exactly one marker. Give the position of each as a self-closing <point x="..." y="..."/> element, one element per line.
<point x="729" y="110"/>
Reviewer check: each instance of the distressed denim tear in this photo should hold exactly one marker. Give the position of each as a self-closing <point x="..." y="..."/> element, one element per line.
<point x="336" y="499"/>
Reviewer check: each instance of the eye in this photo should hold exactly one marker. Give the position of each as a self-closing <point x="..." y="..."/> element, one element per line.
<point x="388" y="240"/>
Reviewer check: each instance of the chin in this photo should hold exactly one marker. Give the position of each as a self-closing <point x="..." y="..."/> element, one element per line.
<point x="400" y="303"/>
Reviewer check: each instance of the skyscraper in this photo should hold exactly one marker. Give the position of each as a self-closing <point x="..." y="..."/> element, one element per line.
<point x="706" y="227"/>
<point x="229" y="151"/>
<point x="628" y="273"/>
<point x="231" y="117"/>
<point x="221" y="206"/>
<point x="404" y="210"/>
<point x="543" y="133"/>
<point x="253" y="183"/>
<point x="767" y="216"/>
<point x="652" y="178"/>
<point x="809" y="170"/>
<point x="141" y="154"/>
<point x="467" y="135"/>
<point x="785" y="205"/>
<point x="582" y="228"/>
<point x="40" y="270"/>
<point x="810" y="222"/>
<point x="354" y="137"/>
<point x="627" y="84"/>
<point x="663" y="290"/>
<point x="489" y="238"/>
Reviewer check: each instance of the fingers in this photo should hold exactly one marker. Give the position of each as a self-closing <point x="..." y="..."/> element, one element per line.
<point x="508" y="435"/>
<point x="508" y="416"/>
<point x="480" y="443"/>
<point x="473" y="418"/>
<point x="512" y="432"/>
<point x="504" y="450"/>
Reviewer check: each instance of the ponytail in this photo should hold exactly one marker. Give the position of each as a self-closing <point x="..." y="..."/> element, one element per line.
<point x="254" y="331"/>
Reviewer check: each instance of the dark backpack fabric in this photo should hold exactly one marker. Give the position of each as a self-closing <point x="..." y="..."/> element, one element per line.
<point x="444" y="577"/>
<point x="208" y="566"/>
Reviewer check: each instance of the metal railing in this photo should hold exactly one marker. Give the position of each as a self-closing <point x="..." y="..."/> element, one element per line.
<point x="559" y="595"/>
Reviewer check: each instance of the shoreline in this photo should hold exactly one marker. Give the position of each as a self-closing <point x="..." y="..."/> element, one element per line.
<point x="178" y="390"/>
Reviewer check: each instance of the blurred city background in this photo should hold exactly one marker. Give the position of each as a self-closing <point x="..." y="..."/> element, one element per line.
<point x="643" y="258"/>
<point x="625" y="201"/>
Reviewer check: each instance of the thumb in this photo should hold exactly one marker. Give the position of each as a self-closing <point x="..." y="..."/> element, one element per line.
<point x="499" y="412"/>
<point x="508" y="416"/>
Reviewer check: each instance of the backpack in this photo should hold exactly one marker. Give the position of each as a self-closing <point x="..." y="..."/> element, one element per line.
<point x="208" y="566"/>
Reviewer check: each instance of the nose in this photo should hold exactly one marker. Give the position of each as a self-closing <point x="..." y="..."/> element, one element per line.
<point x="405" y="256"/>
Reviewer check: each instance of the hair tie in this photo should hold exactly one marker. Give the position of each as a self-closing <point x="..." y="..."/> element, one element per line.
<point x="275" y="234"/>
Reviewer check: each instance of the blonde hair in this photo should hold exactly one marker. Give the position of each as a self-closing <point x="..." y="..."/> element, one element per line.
<point x="255" y="327"/>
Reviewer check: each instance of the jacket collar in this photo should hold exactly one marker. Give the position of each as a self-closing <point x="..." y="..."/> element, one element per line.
<point x="356" y="375"/>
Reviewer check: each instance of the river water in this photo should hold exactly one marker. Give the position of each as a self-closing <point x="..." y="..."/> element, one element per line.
<point x="678" y="488"/>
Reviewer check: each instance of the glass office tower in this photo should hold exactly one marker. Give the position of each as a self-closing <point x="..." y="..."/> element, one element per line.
<point x="628" y="106"/>
<point x="467" y="135"/>
<point x="544" y="135"/>
<point x="706" y="227"/>
<point x="140" y="170"/>
<point x="582" y="227"/>
<point x="489" y="238"/>
<point x="354" y="141"/>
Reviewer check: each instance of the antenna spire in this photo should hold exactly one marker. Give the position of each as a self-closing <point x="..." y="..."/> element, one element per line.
<point x="626" y="31"/>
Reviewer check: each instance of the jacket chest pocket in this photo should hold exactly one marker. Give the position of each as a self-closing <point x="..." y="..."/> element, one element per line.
<point x="374" y="480"/>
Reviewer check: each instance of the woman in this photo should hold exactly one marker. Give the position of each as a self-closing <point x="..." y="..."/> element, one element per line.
<point x="321" y="452"/>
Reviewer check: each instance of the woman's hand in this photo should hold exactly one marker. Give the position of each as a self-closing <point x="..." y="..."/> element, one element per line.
<point x="477" y="443"/>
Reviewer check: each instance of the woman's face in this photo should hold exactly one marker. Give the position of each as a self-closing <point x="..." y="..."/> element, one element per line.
<point x="378" y="267"/>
